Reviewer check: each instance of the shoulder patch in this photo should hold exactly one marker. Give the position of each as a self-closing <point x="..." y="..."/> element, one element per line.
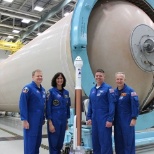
<point x="111" y="90"/>
<point x="133" y="93"/>
<point x="25" y="90"/>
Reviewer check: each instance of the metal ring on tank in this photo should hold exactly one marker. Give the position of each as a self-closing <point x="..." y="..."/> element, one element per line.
<point x="79" y="40"/>
<point x="142" y="47"/>
<point x="148" y="7"/>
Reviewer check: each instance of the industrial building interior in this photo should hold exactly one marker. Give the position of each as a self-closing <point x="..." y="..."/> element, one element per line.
<point x="23" y="21"/>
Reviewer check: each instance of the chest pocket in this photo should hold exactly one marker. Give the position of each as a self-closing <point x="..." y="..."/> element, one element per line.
<point x="67" y="100"/>
<point x="101" y="93"/>
<point x="36" y="95"/>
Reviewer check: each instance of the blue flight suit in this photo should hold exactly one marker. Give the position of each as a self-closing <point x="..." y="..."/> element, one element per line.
<point x="58" y="111"/>
<point x="31" y="105"/>
<point x="101" y="109"/>
<point x="127" y="108"/>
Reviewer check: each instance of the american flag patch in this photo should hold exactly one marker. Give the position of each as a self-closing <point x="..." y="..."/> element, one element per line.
<point x="133" y="94"/>
<point x="111" y="90"/>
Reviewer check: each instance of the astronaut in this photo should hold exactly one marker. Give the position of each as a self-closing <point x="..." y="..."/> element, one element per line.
<point x="31" y="105"/>
<point x="57" y="113"/>
<point x="126" y="112"/>
<point x="100" y="114"/>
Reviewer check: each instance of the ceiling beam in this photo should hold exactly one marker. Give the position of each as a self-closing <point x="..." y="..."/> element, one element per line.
<point x="5" y="32"/>
<point x="51" y="13"/>
<point x="23" y="16"/>
<point x="21" y="13"/>
<point x="22" y="4"/>
<point x="12" y="27"/>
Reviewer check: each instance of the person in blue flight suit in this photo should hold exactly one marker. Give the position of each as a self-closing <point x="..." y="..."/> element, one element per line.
<point x="126" y="112"/>
<point x="31" y="106"/>
<point x="100" y="114"/>
<point x="57" y="113"/>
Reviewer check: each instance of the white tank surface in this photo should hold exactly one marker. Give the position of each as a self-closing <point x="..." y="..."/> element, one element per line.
<point x="49" y="52"/>
<point x="109" y="31"/>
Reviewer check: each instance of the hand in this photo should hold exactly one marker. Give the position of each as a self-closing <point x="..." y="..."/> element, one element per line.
<point x="133" y="122"/>
<point x="51" y="126"/>
<point x="89" y="122"/>
<point x="25" y="124"/>
<point x="108" y="124"/>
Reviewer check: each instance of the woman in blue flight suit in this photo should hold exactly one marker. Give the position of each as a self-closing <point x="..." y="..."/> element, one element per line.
<point x="126" y="112"/>
<point x="57" y="112"/>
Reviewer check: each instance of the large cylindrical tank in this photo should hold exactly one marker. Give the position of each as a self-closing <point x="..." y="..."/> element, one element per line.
<point x="49" y="52"/>
<point x="109" y="30"/>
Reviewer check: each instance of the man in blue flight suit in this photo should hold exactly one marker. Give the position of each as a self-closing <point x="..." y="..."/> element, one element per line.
<point x="100" y="114"/>
<point x="126" y="112"/>
<point x="31" y="105"/>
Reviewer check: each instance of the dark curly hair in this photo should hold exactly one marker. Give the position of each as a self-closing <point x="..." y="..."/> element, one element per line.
<point x="53" y="81"/>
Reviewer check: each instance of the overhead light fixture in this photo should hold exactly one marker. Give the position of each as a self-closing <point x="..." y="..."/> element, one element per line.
<point x="15" y="31"/>
<point x="66" y="14"/>
<point x="38" y="8"/>
<point x="39" y="34"/>
<point x="11" y="37"/>
<point x="25" y="21"/>
<point x="8" y="1"/>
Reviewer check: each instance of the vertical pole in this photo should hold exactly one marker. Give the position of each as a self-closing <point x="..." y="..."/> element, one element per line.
<point x="78" y="63"/>
<point x="78" y="94"/>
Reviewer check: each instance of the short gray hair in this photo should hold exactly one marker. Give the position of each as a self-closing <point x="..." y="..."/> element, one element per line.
<point x="120" y="73"/>
<point x="37" y="70"/>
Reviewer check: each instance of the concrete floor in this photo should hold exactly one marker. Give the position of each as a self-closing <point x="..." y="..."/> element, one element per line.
<point x="11" y="139"/>
<point x="11" y="143"/>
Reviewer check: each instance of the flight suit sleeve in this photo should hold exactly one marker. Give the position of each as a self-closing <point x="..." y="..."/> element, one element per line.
<point x="68" y="107"/>
<point x="134" y="105"/>
<point x="89" y="114"/>
<point x="112" y="100"/>
<point x="23" y="103"/>
<point x="49" y="105"/>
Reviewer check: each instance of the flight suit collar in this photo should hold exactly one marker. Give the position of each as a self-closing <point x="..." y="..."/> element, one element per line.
<point x="122" y="88"/>
<point x="100" y="85"/>
<point x="57" y="90"/>
<point x="120" y="91"/>
<point x="36" y="85"/>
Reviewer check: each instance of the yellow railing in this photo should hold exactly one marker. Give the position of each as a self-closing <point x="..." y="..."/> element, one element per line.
<point x="10" y="46"/>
